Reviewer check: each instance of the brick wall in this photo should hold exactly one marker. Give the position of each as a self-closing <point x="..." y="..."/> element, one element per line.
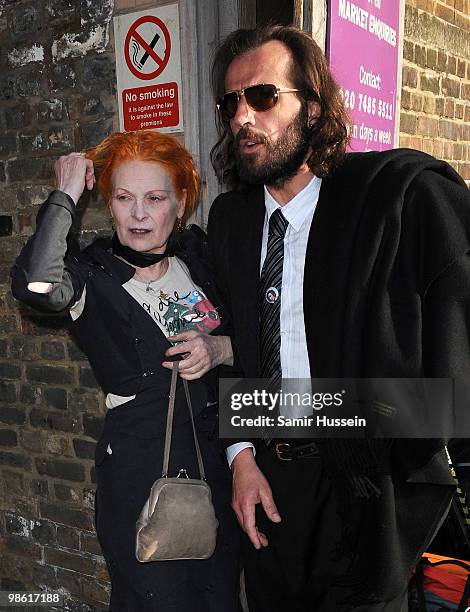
<point x="57" y="94"/>
<point x="435" y="99"/>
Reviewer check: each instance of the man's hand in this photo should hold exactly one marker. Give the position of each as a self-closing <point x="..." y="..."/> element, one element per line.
<point x="72" y="173"/>
<point x="201" y="352"/>
<point x="250" y="488"/>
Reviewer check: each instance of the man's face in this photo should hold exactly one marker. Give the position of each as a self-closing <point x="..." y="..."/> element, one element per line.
<point x="270" y="146"/>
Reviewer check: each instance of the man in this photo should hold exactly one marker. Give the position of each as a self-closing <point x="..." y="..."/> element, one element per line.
<point x="373" y="268"/>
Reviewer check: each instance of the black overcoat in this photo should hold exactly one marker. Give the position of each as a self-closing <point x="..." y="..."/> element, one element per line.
<point x="386" y="294"/>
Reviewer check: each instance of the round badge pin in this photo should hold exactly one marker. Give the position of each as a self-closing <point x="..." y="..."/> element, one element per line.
<point x="271" y="295"/>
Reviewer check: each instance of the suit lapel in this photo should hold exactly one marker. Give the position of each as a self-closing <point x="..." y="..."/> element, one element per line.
<point x="246" y="238"/>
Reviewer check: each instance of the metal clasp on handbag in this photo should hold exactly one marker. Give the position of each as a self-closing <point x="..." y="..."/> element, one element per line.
<point x="182" y="473"/>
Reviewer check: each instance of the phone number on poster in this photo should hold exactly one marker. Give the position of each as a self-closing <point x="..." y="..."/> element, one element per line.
<point x="367" y="104"/>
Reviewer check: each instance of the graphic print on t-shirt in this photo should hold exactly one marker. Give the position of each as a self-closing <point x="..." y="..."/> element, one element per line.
<point x="174" y="301"/>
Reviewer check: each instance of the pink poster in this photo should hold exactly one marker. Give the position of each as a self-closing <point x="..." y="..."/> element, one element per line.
<point x="363" y="49"/>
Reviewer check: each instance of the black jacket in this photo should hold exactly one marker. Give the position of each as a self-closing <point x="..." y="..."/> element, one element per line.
<point x="386" y="294"/>
<point x="124" y="345"/>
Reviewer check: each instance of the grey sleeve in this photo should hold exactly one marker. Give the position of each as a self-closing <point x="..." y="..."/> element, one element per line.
<point x="50" y="256"/>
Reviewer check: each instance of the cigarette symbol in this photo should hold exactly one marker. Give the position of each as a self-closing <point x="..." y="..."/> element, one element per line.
<point x="145" y="56"/>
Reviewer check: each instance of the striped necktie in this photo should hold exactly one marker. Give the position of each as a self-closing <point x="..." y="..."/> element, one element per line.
<point x="270" y="298"/>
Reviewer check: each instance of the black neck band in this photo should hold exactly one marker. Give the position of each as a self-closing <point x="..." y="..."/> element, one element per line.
<point x="140" y="260"/>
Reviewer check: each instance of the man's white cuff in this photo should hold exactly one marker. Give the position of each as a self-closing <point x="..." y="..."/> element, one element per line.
<point x="233" y="450"/>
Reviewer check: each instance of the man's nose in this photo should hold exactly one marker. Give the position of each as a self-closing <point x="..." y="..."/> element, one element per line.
<point x="243" y="115"/>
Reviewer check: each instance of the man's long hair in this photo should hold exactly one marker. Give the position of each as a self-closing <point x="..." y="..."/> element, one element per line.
<point x="310" y="74"/>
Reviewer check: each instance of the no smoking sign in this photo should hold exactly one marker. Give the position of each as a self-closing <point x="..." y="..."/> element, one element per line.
<point x="148" y="68"/>
<point x="148" y="47"/>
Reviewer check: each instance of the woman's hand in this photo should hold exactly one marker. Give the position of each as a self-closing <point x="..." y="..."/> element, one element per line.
<point x="200" y="353"/>
<point x="72" y="173"/>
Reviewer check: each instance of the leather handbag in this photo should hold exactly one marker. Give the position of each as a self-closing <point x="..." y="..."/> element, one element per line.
<point x="178" y="519"/>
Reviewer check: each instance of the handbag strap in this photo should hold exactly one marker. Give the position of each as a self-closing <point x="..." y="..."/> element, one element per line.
<point x="169" y="423"/>
<point x="196" y="443"/>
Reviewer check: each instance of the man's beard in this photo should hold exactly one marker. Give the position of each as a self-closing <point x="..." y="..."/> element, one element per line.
<point x="281" y="159"/>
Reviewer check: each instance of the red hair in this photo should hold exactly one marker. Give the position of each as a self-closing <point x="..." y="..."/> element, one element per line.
<point x="146" y="145"/>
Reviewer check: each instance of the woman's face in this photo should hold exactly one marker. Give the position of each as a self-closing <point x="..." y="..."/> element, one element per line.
<point x="144" y="205"/>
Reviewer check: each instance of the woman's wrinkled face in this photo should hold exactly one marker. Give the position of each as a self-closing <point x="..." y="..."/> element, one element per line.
<point x="144" y="205"/>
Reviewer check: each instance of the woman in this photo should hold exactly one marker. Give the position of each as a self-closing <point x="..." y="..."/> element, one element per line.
<point x="126" y="297"/>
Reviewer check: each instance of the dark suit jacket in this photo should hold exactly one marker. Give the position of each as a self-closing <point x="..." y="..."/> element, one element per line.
<point x="386" y="294"/>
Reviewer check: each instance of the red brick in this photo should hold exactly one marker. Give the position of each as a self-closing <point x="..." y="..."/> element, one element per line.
<point x="438" y="148"/>
<point x="459" y="111"/>
<point x="90" y="544"/>
<point x="96" y="591"/>
<point x="404" y="141"/>
<point x="429" y="106"/>
<point x="440" y="106"/>
<point x="427" y="126"/>
<point x="442" y="59"/>
<point x="461" y="68"/>
<point x="425" y="5"/>
<point x="408" y="123"/>
<point x="449" y="108"/>
<point x="452" y="65"/>
<point x="457" y="152"/>
<point x="417" y="102"/>
<point x="465" y="91"/>
<point x="462" y="21"/>
<point x="408" y="51"/>
<point x="405" y="99"/>
<point x="464" y="171"/>
<point x="448" y="150"/>
<point x="431" y="58"/>
<point x="77" y="563"/>
<point x="427" y="145"/>
<point x="445" y="129"/>
<point x="416" y="143"/>
<point x="451" y="87"/>
<point x="124" y="4"/>
<point x="420" y="56"/>
<point x="444" y="12"/>
<point x="410" y="77"/>
<point x="430" y="83"/>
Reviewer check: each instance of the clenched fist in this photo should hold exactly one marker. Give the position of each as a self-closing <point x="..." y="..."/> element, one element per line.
<point x="72" y="173"/>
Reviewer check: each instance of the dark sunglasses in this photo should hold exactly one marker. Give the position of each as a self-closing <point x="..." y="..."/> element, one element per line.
<point x="260" y="98"/>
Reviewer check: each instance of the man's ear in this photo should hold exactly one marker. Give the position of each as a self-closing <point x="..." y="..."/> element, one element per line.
<point x="314" y="112"/>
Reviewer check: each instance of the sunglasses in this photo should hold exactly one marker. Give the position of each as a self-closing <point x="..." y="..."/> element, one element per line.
<point x="259" y="98"/>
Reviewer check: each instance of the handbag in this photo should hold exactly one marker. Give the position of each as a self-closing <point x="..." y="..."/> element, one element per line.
<point x="178" y="519"/>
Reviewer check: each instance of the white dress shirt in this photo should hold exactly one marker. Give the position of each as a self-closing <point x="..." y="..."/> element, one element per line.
<point x="299" y="213"/>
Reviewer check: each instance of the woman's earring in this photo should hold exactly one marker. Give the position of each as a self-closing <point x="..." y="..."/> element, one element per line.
<point x="179" y="225"/>
<point x="112" y="224"/>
